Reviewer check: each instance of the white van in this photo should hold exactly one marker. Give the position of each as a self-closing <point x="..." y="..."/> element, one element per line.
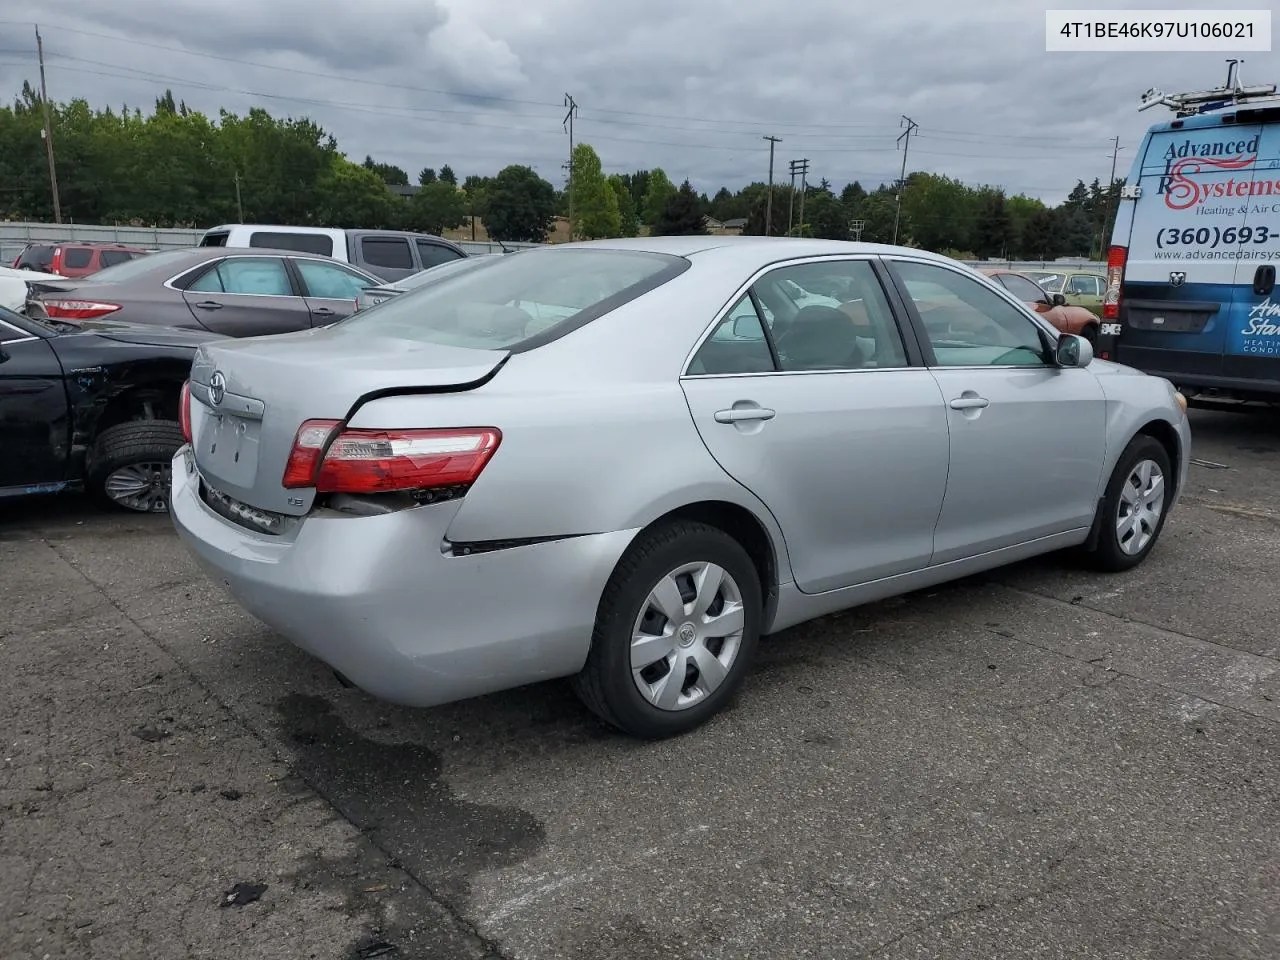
<point x="1191" y="271"/>
<point x="389" y="254"/>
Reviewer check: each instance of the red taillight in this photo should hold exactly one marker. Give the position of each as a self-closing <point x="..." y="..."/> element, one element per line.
<point x="1116" y="258"/>
<point x="77" y="309"/>
<point x="184" y="411"/>
<point x="381" y="461"/>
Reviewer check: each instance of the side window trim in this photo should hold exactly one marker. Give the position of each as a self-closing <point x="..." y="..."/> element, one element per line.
<point x="898" y="310"/>
<point x="1047" y="333"/>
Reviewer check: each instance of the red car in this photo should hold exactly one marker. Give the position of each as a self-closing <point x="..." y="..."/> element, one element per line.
<point x="74" y="259"/>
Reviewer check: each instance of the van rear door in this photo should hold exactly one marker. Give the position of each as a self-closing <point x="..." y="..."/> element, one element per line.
<point x="1253" y="342"/>
<point x="1182" y="297"/>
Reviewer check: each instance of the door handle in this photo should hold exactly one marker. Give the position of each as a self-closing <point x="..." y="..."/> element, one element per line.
<point x="969" y="403"/>
<point x="746" y="413"/>
<point x="209" y="305"/>
<point x="1264" y="280"/>
<point x="323" y="312"/>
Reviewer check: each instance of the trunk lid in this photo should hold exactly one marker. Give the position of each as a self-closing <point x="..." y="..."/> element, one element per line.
<point x="270" y="385"/>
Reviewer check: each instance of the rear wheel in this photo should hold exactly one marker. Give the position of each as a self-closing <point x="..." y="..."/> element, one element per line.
<point x="676" y="630"/>
<point x="130" y="467"/>
<point x="1133" y="509"/>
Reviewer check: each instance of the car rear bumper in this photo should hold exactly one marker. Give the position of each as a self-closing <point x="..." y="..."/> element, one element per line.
<point x="381" y="600"/>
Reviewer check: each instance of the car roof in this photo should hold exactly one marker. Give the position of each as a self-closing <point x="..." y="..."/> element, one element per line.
<point x="765" y="248"/>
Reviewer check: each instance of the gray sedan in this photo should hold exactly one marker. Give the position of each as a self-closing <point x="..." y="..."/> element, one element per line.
<point x="624" y="461"/>
<point x="235" y="292"/>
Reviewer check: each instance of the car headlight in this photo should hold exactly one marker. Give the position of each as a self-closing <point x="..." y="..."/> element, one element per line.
<point x="1182" y="401"/>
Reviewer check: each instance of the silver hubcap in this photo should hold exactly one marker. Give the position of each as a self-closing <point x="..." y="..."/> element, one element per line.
<point x="143" y="487"/>
<point x="687" y="636"/>
<point x="1141" y="503"/>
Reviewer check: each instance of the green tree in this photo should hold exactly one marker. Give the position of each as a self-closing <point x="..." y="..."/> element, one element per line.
<point x="595" y="206"/>
<point x="437" y="207"/>
<point x="682" y="215"/>
<point x="658" y="193"/>
<point x="852" y="194"/>
<point x="756" y="198"/>
<point x="353" y="196"/>
<point x="1039" y="239"/>
<point x="426" y="175"/>
<point x="628" y="222"/>
<point x="448" y="176"/>
<point x="992" y="233"/>
<point x="389" y="172"/>
<point x="519" y="206"/>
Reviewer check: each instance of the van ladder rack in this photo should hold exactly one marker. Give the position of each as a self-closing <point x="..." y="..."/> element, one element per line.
<point x="1203" y="101"/>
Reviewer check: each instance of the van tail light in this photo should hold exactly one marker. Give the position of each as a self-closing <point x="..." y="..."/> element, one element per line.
<point x="1116" y="259"/>
<point x="336" y="460"/>
<point x="77" y="309"/>
<point x="184" y="411"/>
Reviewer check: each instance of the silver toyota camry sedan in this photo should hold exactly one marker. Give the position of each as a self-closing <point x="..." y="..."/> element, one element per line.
<point x="624" y="461"/>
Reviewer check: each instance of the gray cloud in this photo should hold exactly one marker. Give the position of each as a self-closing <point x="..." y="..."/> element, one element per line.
<point x="689" y="86"/>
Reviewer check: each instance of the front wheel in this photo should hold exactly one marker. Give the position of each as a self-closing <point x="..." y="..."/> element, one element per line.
<point x="131" y="465"/>
<point x="1134" y="507"/>
<point x="676" y="630"/>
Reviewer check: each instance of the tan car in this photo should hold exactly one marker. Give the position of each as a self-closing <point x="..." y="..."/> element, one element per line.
<point x="1052" y="306"/>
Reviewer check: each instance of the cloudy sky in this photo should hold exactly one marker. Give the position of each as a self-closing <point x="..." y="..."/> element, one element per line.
<point x="692" y="86"/>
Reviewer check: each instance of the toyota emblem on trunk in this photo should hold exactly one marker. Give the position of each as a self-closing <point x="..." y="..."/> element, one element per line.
<point x="1177" y="278"/>
<point x="217" y="387"/>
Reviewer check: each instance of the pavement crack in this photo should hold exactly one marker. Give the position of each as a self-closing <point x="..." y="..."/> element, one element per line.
<point x="487" y="946"/>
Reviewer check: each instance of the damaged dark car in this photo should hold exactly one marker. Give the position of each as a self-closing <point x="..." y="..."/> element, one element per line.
<point x="92" y="406"/>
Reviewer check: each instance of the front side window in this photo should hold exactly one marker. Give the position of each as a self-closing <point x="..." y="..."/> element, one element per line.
<point x="1085" y="286"/>
<point x="541" y="294"/>
<point x="328" y="281"/>
<point x="110" y="258"/>
<point x="434" y="254"/>
<point x="258" y="276"/>
<point x="968" y="324"/>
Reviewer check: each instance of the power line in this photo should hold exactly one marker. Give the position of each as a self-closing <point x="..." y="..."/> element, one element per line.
<point x="905" y="140"/>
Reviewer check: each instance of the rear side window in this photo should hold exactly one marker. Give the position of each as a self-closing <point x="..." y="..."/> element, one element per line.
<point x="76" y="258"/>
<point x="386" y="252"/>
<point x="110" y="258"/>
<point x="518" y="301"/>
<point x="1021" y="288"/>
<point x="255" y="276"/>
<point x="214" y="239"/>
<point x="320" y="243"/>
<point x="434" y="254"/>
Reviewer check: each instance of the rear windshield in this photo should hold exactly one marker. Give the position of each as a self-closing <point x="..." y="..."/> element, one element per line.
<point x="518" y="301"/>
<point x="40" y="257"/>
<point x="137" y="267"/>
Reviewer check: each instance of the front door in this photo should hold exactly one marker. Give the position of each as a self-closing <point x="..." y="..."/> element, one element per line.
<point x="247" y="297"/>
<point x="35" y="432"/>
<point x="330" y="289"/>
<point x="817" y="410"/>
<point x="1027" y="438"/>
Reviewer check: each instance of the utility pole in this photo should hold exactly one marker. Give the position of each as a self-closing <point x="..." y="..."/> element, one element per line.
<point x="768" y="208"/>
<point x="239" y="205"/>
<point x="1102" y="231"/>
<point x="48" y="131"/>
<point x="905" y="139"/>
<point x="804" y="185"/>
<point x="568" y="125"/>
<point x="791" y="200"/>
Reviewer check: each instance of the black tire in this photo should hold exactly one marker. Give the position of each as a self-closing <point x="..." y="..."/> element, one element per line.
<point x="1108" y="555"/>
<point x="1090" y="333"/>
<point x="135" y="443"/>
<point x="606" y="685"/>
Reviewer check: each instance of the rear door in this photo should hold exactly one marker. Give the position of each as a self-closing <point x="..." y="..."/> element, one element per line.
<point x="1253" y="341"/>
<point x="1182" y="305"/>
<point x="247" y="297"/>
<point x="841" y="436"/>
<point x="329" y="289"/>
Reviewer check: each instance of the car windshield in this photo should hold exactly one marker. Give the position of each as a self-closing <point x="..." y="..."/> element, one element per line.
<point x="535" y="293"/>
<point x="143" y="263"/>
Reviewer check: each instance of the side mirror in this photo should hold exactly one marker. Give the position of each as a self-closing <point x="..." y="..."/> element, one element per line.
<point x="1058" y="300"/>
<point x="1073" y="351"/>
<point x="746" y="328"/>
